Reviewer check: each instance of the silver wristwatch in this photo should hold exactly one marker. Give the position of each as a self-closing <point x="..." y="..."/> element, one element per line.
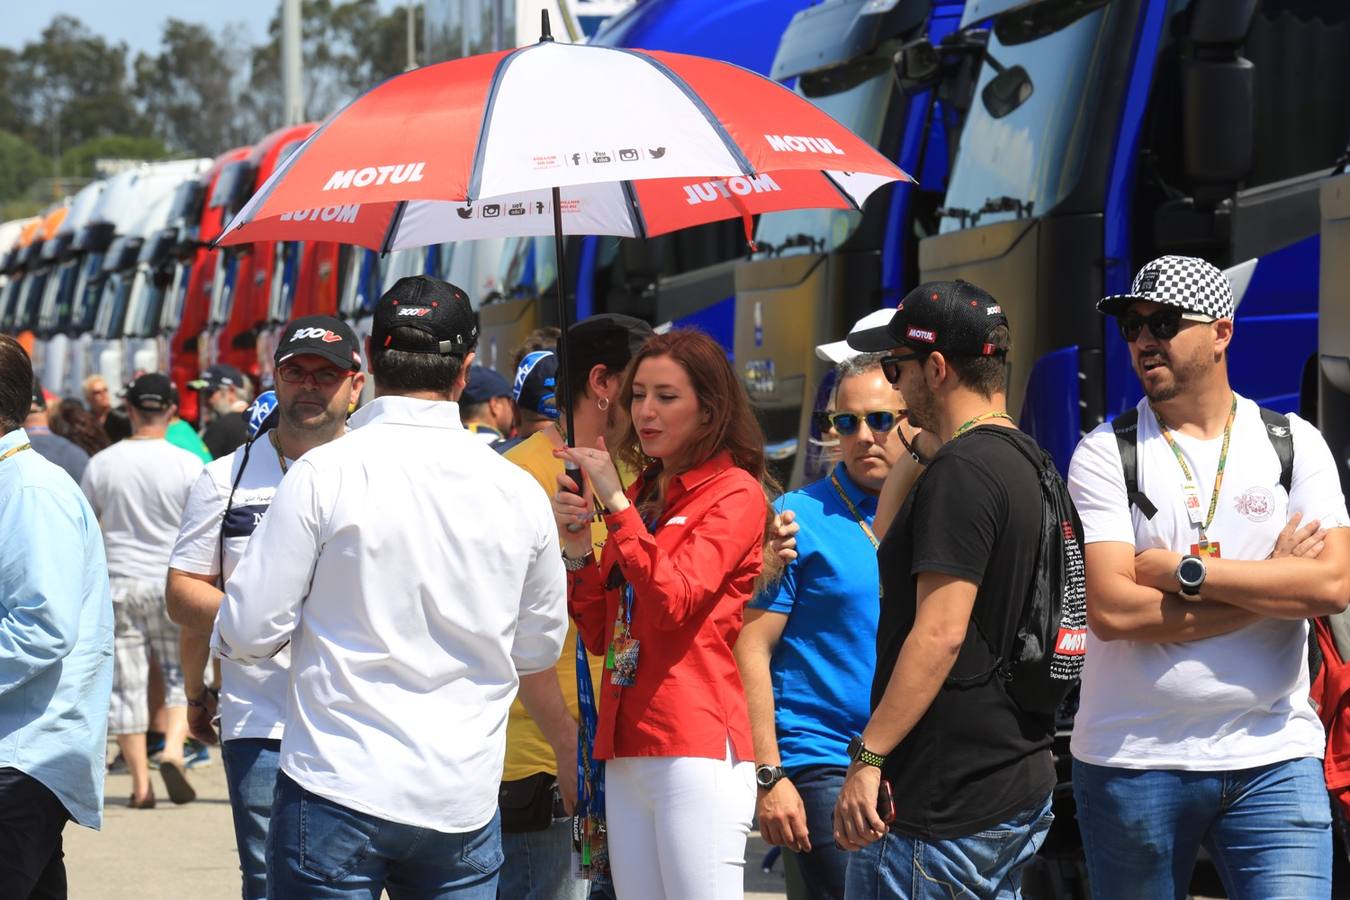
<point x="581" y="562"/>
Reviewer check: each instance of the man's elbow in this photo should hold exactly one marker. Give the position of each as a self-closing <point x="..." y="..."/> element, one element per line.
<point x="1106" y="625"/>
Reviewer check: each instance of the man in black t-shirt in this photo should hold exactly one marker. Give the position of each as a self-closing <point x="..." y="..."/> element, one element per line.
<point x="971" y="774"/>
<point x="225" y="394"/>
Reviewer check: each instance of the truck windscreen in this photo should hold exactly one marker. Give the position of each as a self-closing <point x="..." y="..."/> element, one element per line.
<point x="862" y="109"/>
<point x="1026" y="161"/>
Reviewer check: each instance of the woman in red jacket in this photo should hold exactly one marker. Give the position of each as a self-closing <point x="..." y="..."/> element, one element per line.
<point x="664" y="605"/>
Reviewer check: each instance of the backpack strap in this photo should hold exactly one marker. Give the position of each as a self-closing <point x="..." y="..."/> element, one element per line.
<point x="1282" y="439"/>
<point x="1126" y="427"/>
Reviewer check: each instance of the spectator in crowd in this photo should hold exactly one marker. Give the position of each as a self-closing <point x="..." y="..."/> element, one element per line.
<point x="810" y="640"/>
<point x="419" y="575"/>
<point x="545" y="338"/>
<point x="181" y="434"/>
<point x="486" y="407"/>
<point x="52" y="446"/>
<point x="971" y="773"/>
<point x="76" y="424"/>
<point x="684" y="553"/>
<point x="97" y="398"/>
<point x="225" y="395"/>
<point x="1195" y="726"/>
<point x="539" y="781"/>
<point x="535" y="392"/>
<point x="318" y="369"/>
<point x="56" y="639"/>
<point x="138" y="488"/>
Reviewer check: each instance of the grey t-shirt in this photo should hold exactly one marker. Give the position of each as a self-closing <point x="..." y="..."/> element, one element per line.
<point x="59" y="450"/>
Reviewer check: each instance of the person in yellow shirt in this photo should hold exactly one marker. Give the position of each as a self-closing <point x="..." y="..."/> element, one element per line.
<point x="539" y="781"/>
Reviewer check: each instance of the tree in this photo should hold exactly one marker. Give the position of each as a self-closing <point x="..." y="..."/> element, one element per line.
<point x="187" y="91"/>
<point x="72" y="87"/>
<point x="79" y="161"/>
<point x="20" y="166"/>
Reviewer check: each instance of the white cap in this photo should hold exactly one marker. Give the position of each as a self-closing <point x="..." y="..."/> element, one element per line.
<point x="840" y="350"/>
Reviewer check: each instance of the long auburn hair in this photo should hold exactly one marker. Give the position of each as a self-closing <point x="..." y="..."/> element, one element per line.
<point x="730" y="425"/>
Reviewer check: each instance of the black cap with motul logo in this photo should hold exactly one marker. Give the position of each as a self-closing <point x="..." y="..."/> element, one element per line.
<point x="324" y="336"/>
<point x="430" y="305"/>
<point x="955" y="318"/>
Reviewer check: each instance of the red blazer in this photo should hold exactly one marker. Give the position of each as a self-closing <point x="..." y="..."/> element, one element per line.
<point x="691" y="581"/>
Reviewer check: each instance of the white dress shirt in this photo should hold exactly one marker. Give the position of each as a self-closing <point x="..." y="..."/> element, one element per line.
<point x="416" y="573"/>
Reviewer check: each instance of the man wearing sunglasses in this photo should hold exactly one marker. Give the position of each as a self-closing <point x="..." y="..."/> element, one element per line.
<point x="1195" y="726"/>
<point x="810" y="639"/>
<point x="318" y="378"/>
<point x="971" y="773"/>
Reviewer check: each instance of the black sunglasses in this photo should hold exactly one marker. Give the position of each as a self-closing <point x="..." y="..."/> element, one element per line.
<point x="1163" y="324"/>
<point x="880" y="421"/>
<point x="890" y="365"/>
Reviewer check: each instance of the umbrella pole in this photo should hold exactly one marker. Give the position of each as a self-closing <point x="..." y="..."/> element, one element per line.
<point x="563" y="390"/>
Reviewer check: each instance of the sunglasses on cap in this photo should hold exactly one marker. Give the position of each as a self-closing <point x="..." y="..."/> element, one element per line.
<point x="880" y="421"/>
<point x="890" y="365"/>
<point x="1163" y="324"/>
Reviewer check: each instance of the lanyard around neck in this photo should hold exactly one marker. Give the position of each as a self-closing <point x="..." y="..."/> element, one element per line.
<point x="13" y="450"/>
<point x="857" y="516"/>
<point x="1186" y="470"/>
<point x="276" y="445"/>
<point x="983" y="417"/>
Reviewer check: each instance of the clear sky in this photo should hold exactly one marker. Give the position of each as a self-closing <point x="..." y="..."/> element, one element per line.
<point x="137" y="23"/>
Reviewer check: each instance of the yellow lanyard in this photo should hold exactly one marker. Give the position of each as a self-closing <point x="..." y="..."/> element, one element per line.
<point x="862" y="523"/>
<point x="1191" y="486"/>
<point x="276" y="445"/>
<point x="971" y="423"/>
<point x="19" y="449"/>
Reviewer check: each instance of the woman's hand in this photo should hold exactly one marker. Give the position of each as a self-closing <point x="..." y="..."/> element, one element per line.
<point x="600" y="472"/>
<point x="572" y="509"/>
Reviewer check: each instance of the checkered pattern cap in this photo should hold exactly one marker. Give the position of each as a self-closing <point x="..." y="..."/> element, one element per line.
<point x="1182" y="281"/>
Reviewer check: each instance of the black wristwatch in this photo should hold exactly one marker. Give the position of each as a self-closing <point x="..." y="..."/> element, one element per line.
<point x="1191" y="575"/>
<point x="860" y="754"/>
<point x="767" y="776"/>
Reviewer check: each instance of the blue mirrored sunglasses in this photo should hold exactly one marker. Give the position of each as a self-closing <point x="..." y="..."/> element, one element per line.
<point x="880" y="421"/>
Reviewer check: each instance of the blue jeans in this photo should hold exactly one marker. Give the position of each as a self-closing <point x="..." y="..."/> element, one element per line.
<point x="824" y="868"/>
<point x="321" y="850"/>
<point x="251" y="766"/>
<point x="1267" y="829"/>
<point x="539" y="865"/>
<point x="986" y="865"/>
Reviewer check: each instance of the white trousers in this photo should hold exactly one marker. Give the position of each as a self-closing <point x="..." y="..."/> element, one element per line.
<point x="678" y="826"/>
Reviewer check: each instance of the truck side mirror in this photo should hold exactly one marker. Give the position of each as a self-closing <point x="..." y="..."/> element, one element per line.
<point x="917" y="66"/>
<point x="1218" y="125"/>
<point x="1006" y="91"/>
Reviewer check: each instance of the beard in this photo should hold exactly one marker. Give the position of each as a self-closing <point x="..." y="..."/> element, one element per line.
<point x="923" y="407"/>
<point x="1184" y="373"/>
<point x="306" y="420"/>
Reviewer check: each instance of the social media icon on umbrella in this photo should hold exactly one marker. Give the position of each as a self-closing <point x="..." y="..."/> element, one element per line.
<point x="491" y="210"/>
<point x="628" y="155"/>
<point x="601" y="157"/>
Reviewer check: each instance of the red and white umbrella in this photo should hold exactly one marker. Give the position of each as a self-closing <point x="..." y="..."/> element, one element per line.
<point x="561" y="138"/>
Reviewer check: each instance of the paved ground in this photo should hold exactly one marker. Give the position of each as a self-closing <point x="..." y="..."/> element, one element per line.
<point x="172" y="852"/>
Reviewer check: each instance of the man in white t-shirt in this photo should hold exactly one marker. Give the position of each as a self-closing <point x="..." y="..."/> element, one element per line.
<point x="1195" y="728"/>
<point x="137" y="488"/>
<point x="418" y="576"/>
<point x="318" y="378"/>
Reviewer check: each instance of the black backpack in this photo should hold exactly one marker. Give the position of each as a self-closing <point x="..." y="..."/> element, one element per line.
<point x="1126" y="427"/>
<point x="1042" y="660"/>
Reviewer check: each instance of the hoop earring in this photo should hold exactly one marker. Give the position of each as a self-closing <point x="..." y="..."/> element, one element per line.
<point x="602" y="404"/>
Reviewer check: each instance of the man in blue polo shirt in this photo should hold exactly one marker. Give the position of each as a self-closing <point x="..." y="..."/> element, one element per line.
<point x="809" y="641"/>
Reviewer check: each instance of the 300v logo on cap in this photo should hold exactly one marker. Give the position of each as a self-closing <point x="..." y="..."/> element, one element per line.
<point x="927" y="335"/>
<point x="418" y="311"/>
<point x="323" y="334"/>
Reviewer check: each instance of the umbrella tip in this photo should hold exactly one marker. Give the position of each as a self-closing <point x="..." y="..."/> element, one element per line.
<point x="545" y="32"/>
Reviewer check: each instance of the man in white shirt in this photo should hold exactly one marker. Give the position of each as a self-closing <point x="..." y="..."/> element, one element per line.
<point x="418" y="575"/>
<point x="137" y="488"/>
<point x="1195" y="727"/>
<point x="318" y="377"/>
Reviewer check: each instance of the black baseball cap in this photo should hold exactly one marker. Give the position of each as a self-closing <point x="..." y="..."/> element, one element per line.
<point x="483" y="385"/>
<point x="536" y="384"/>
<point x="951" y="317"/>
<point x="151" y="392"/>
<point x="324" y="336"/>
<point x="218" y="376"/>
<point x="428" y="304"/>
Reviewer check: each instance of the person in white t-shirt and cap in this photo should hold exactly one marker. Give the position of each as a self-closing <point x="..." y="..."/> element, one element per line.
<point x="1195" y="727"/>
<point x="318" y="379"/>
<point x="416" y="575"/>
<point x="138" y="488"/>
